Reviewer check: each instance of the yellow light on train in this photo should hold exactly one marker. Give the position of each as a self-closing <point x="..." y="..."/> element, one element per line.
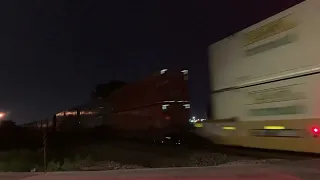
<point x="198" y="125"/>
<point x="229" y="128"/>
<point x="274" y="127"/>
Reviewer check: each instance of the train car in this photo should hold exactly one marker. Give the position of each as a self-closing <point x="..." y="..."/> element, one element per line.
<point x="102" y="91"/>
<point x="265" y="81"/>
<point x="162" y="86"/>
<point x="88" y="115"/>
<point x="152" y="108"/>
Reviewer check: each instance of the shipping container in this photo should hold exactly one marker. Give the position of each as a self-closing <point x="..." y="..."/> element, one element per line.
<point x="152" y="108"/>
<point x="168" y="86"/>
<point x="265" y="81"/>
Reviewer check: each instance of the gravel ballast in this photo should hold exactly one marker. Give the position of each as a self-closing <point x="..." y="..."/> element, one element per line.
<point x="195" y="159"/>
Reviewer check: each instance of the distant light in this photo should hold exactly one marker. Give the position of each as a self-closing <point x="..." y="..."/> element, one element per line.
<point x="187" y="106"/>
<point x="165" y="106"/>
<point x="2" y="115"/>
<point x="71" y="113"/>
<point x="87" y="112"/>
<point x="193" y="117"/>
<point x="163" y="71"/>
<point x="185" y="72"/>
<point x="60" y="114"/>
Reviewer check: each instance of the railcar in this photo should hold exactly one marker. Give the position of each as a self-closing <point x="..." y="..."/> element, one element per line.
<point x="265" y="83"/>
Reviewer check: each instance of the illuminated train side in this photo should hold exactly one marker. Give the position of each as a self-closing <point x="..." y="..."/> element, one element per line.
<point x="69" y="120"/>
<point x="265" y="83"/>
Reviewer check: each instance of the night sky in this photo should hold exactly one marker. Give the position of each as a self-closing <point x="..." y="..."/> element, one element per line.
<point x="54" y="52"/>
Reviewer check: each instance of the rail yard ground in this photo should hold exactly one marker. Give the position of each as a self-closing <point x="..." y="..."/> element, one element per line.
<point x="92" y="152"/>
<point x="120" y="156"/>
<point x="127" y="155"/>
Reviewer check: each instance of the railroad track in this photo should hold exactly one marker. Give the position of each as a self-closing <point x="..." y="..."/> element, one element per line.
<point x="262" y="153"/>
<point x="197" y="143"/>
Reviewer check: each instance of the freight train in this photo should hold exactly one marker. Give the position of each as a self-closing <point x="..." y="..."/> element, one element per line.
<point x="156" y="107"/>
<point x="153" y="108"/>
<point x="265" y="83"/>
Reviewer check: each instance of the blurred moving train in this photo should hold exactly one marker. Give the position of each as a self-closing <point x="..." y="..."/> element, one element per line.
<point x="153" y="108"/>
<point x="265" y="83"/>
<point x="156" y="107"/>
